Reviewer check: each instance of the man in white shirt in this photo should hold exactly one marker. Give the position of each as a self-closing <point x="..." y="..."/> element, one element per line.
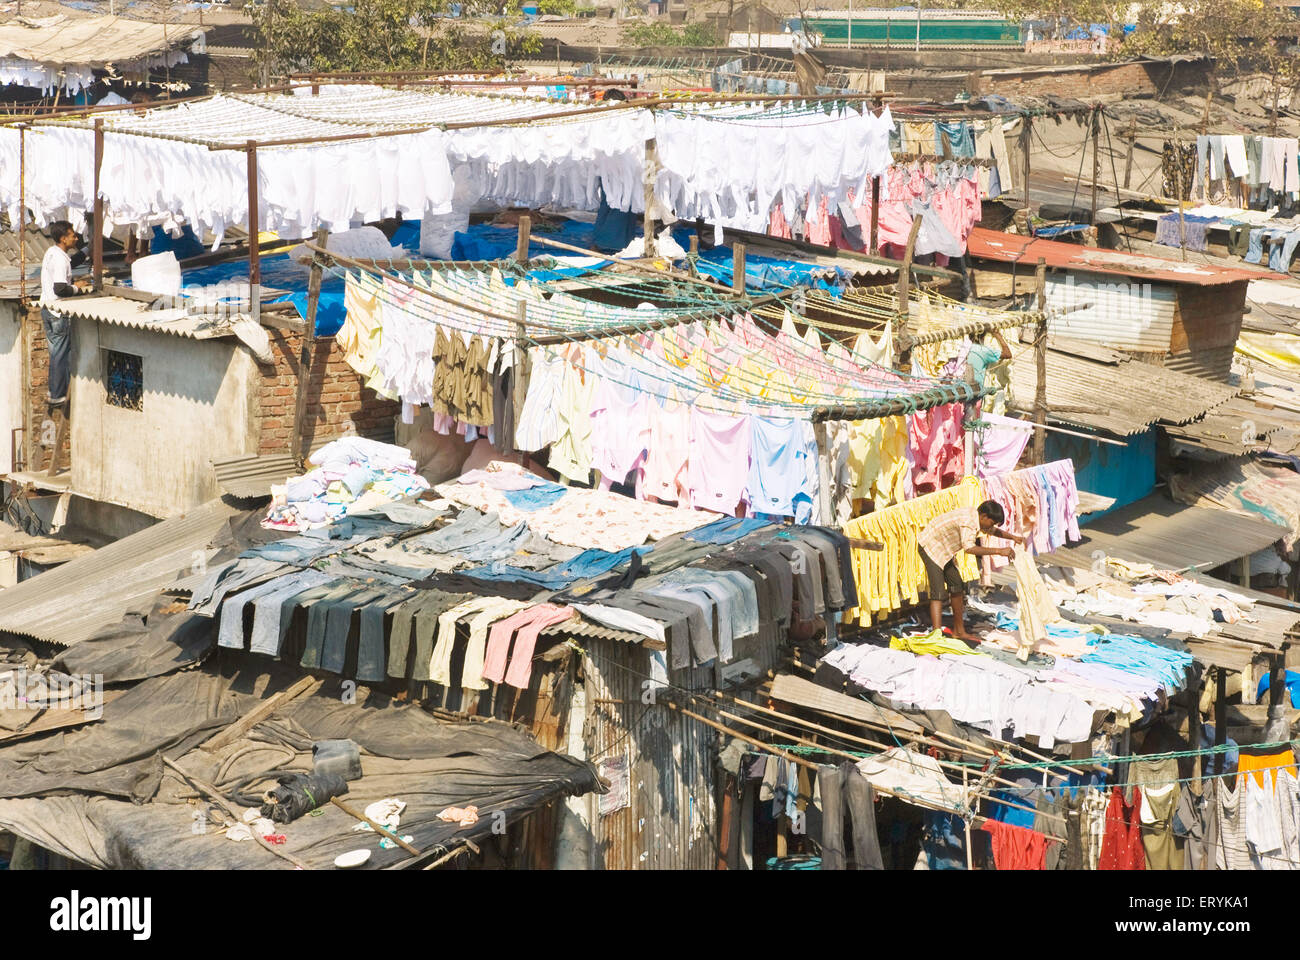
<point x="56" y="283"/>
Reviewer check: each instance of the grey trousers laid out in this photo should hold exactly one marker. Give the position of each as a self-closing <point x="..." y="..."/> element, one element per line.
<point x="845" y="790"/>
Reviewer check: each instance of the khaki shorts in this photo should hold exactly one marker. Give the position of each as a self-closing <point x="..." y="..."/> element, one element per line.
<point x="944" y="581"/>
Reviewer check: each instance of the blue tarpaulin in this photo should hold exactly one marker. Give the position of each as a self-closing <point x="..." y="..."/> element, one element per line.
<point x="480" y="242"/>
<point x="764" y="273"/>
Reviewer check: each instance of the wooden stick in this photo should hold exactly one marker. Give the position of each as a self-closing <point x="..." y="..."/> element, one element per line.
<point x="258" y="714"/>
<point x="212" y="793"/>
<point x="378" y="827"/>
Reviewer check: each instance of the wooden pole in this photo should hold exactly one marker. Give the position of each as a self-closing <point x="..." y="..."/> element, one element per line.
<point x="254" y="229"/>
<point x="97" y="241"/>
<point x="1205" y="127"/>
<point x="902" y="309"/>
<point x="307" y="352"/>
<point x="22" y="224"/>
<point x="1128" y="159"/>
<point x="377" y="827"/>
<point x="1026" y="141"/>
<point x="520" y="374"/>
<point x="647" y="222"/>
<point x="1096" y="160"/>
<point x="212" y="793"/>
<point x="1040" y="362"/>
<point x="875" y="216"/>
<point x="738" y="267"/>
<point x="1178" y="184"/>
<point x="525" y="234"/>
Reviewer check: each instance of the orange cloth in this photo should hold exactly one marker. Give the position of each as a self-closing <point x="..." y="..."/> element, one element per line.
<point x="1273" y="762"/>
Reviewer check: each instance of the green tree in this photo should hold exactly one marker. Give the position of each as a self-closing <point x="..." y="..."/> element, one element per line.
<point x="659" y="34"/>
<point x="378" y="35"/>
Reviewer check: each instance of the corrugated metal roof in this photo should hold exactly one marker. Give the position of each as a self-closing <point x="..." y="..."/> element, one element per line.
<point x="93" y="40"/>
<point x="1010" y="248"/>
<point x="1171" y="535"/>
<point x="252" y="476"/>
<point x="67" y="605"/>
<point x="586" y="629"/>
<point x="1122" y="398"/>
<point x="141" y="315"/>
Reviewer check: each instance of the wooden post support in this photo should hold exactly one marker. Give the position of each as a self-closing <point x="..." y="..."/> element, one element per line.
<point x="525" y="234"/>
<point x="902" y="309"/>
<point x="1096" y="160"/>
<point x="254" y="229"/>
<point x="1026" y="141"/>
<point x="22" y="225"/>
<point x="1128" y="159"/>
<point x="647" y="222"/>
<point x="519" y="377"/>
<point x="693" y="255"/>
<point x="1040" y="362"/>
<point x="307" y="352"/>
<point x="738" y="267"/>
<point x="1245" y="571"/>
<point x="60" y="437"/>
<point x="1178" y="185"/>
<point x="875" y="216"/>
<point x="97" y="241"/>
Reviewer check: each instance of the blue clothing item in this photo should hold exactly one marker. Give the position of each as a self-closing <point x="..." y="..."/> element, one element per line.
<point x="1255" y="253"/>
<point x="536" y="498"/>
<point x="727" y="530"/>
<point x="943" y="837"/>
<point x="589" y="563"/>
<point x="185" y="246"/>
<point x="297" y="550"/>
<point x="58" y="338"/>
<point x="1013" y="815"/>
<point x="614" y="229"/>
<point x="357" y="479"/>
<point x="1288" y="250"/>
<point x="1142" y="657"/>
<point x="1054" y="531"/>
<point x="779" y="475"/>
<point x="1292" y="686"/>
<point x="961" y="138"/>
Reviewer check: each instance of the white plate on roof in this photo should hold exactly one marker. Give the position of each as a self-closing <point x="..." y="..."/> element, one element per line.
<point x="351" y="859"/>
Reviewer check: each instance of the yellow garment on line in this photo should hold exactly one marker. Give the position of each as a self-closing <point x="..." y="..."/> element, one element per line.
<point x="889" y="578"/>
<point x="1035" y="605"/>
<point x="877" y="460"/>
<point x="362" y="330"/>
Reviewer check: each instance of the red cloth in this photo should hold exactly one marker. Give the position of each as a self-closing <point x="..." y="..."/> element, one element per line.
<point x="1121" y="844"/>
<point x="1017" y="848"/>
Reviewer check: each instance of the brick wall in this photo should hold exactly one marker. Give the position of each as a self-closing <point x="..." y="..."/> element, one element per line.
<point x="1130" y="79"/>
<point x="38" y="361"/>
<point x="337" y="402"/>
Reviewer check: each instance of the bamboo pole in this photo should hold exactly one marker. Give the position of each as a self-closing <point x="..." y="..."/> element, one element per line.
<point x="212" y="793"/>
<point x="307" y="350"/>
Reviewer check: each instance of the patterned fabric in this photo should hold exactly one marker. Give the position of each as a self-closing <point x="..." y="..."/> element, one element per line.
<point x="1169" y="167"/>
<point x="949" y="533"/>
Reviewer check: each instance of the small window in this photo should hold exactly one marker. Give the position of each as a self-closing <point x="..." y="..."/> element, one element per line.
<point x="124" y="379"/>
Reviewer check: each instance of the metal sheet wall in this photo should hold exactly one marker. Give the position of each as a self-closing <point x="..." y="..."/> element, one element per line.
<point x="1127" y="316"/>
<point x="671" y="820"/>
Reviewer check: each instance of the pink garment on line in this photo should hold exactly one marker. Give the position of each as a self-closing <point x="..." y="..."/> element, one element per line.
<point x="664" y="474"/>
<point x="999" y="446"/>
<point x="620" y="430"/>
<point x="935" y="441"/>
<point x="528" y="624"/>
<point x="718" y="468"/>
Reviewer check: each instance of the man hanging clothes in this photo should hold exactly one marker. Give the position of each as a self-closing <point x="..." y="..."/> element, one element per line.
<point x="56" y="283"/>
<point x="943" y="538"/>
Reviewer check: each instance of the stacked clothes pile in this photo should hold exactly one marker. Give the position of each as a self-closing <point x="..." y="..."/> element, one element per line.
<point x="351" y="475"/>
